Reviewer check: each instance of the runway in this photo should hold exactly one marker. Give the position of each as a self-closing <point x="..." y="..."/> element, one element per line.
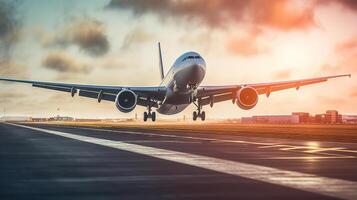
<point x="56" y="162"/>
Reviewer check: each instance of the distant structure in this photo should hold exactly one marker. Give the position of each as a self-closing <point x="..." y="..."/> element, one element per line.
<point x="271" y="119"/>
<point x="57" y="118"/>
<point x="15" y="118"/>
<point x="36" y="119"/>
<point x="61" y="118"/>
<point x="330" y="117"/>
<point x="303" y="117"/>
<point x="349" y="119"/>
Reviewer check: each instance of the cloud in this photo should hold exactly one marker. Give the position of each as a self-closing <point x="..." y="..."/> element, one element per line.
<point x="9" y="28"/>
<point x="347" y="64"/>
<point x="8" y="97"/>
<point x="12" y="69"/>
<point x="278" y="14"/>
<point x="112" y="62"/>
<point x="347" y="46"/>
<point x="346" y="58"/>
<point x="88" y="34"/>
<point x="63" y="62"/>
<point x="135" y="36"/>
<point x="283" y="74"/>
<point x="198" y="40"/>
<point x="333" y="102"/>
<point x="354" y="93"/>
<point x="350" y="4"/>
<point x="246" y="45"/>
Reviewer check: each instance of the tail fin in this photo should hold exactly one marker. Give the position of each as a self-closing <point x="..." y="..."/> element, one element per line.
<point x="160" y="63"/>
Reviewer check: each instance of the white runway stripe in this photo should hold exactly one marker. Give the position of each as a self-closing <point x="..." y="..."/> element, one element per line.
<point x="308" y="182"/>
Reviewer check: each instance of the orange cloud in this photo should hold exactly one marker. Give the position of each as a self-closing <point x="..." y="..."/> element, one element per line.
<point x="283" y="74"/>
<point x="347" y="64"/>
<point x="246" y="45"/>
<point x="277" y="14"/>
<point x="346" y="54"/>
<point x="347" y="46"/>
<point x="354" y="93"/>
<point x="350" y="4"/>
<point x="333" y="102"/>
<point x="282" y="14"/>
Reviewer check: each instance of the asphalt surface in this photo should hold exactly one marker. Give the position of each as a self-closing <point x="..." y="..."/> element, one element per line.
<point x="42" y="165"/>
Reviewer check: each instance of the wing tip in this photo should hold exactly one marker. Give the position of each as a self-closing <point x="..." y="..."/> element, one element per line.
<point x="342" y="75"/>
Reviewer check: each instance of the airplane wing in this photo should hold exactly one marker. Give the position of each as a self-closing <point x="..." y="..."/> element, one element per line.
<point x="208" y="94"/>
<point x="107" y="93"/>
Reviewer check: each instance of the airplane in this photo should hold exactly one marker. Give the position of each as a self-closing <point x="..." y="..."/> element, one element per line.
<point x="178" y="89"/>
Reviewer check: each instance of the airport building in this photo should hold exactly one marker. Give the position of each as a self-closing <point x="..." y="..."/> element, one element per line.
<point x="333" y="117"/>
<point x="304" y="117"/>
<point x="15" y="118"/>
<point x="272" y="119"/>
<point x="57" y="118"/>
<point x="61" y="118"/>
<point x="349" y="119"/>
<point x="330" y="117"/>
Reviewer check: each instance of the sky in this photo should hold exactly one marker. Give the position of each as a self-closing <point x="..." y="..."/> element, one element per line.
<point x="114" y="42"/>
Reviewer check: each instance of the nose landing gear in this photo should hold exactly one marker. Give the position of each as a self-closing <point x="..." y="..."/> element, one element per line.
<point x="198" y="113"/>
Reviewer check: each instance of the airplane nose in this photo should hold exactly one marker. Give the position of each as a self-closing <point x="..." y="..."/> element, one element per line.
<point x="196" y="73"/>
<point x="197" y="68"/>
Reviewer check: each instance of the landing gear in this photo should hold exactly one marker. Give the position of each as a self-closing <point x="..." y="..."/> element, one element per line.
<point x="198" y="113"/>
<point x="145" y="116"/>
<point x="194" y="117"/>
<point x="203" y="115"/>
<point x="149" y="114"/>
<point x="153" y="116"/>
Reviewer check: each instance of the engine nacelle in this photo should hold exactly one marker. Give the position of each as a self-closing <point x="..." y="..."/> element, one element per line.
<point x="247" y="98"/>
<point x="126" y="101"/>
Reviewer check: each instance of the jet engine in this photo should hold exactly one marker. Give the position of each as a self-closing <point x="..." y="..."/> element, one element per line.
<point x="247" y="98"/>
<point x="126" y="101"/>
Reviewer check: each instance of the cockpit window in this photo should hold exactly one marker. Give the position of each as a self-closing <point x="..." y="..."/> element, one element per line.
<point x="190" y="57"/>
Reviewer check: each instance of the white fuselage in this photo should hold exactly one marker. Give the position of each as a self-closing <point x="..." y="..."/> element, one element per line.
<point x="186" y="73"/>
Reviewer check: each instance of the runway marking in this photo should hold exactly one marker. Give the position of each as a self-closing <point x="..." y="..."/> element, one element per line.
<point x="302" y="181"/>
<point x="313" y="150"/>
<point x="176" y="136"/>
<point x="309" y="158"/>
<point x="283" y="147"/>
<point x="160" y="141"/>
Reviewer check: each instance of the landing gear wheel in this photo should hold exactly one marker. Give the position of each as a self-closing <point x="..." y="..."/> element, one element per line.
<point x="203" y="115"/>
<point x="153" y="116"/>
<point x="145" y="116"/>
<point x="194" y="117"/>
<point x="199" y="113"/>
